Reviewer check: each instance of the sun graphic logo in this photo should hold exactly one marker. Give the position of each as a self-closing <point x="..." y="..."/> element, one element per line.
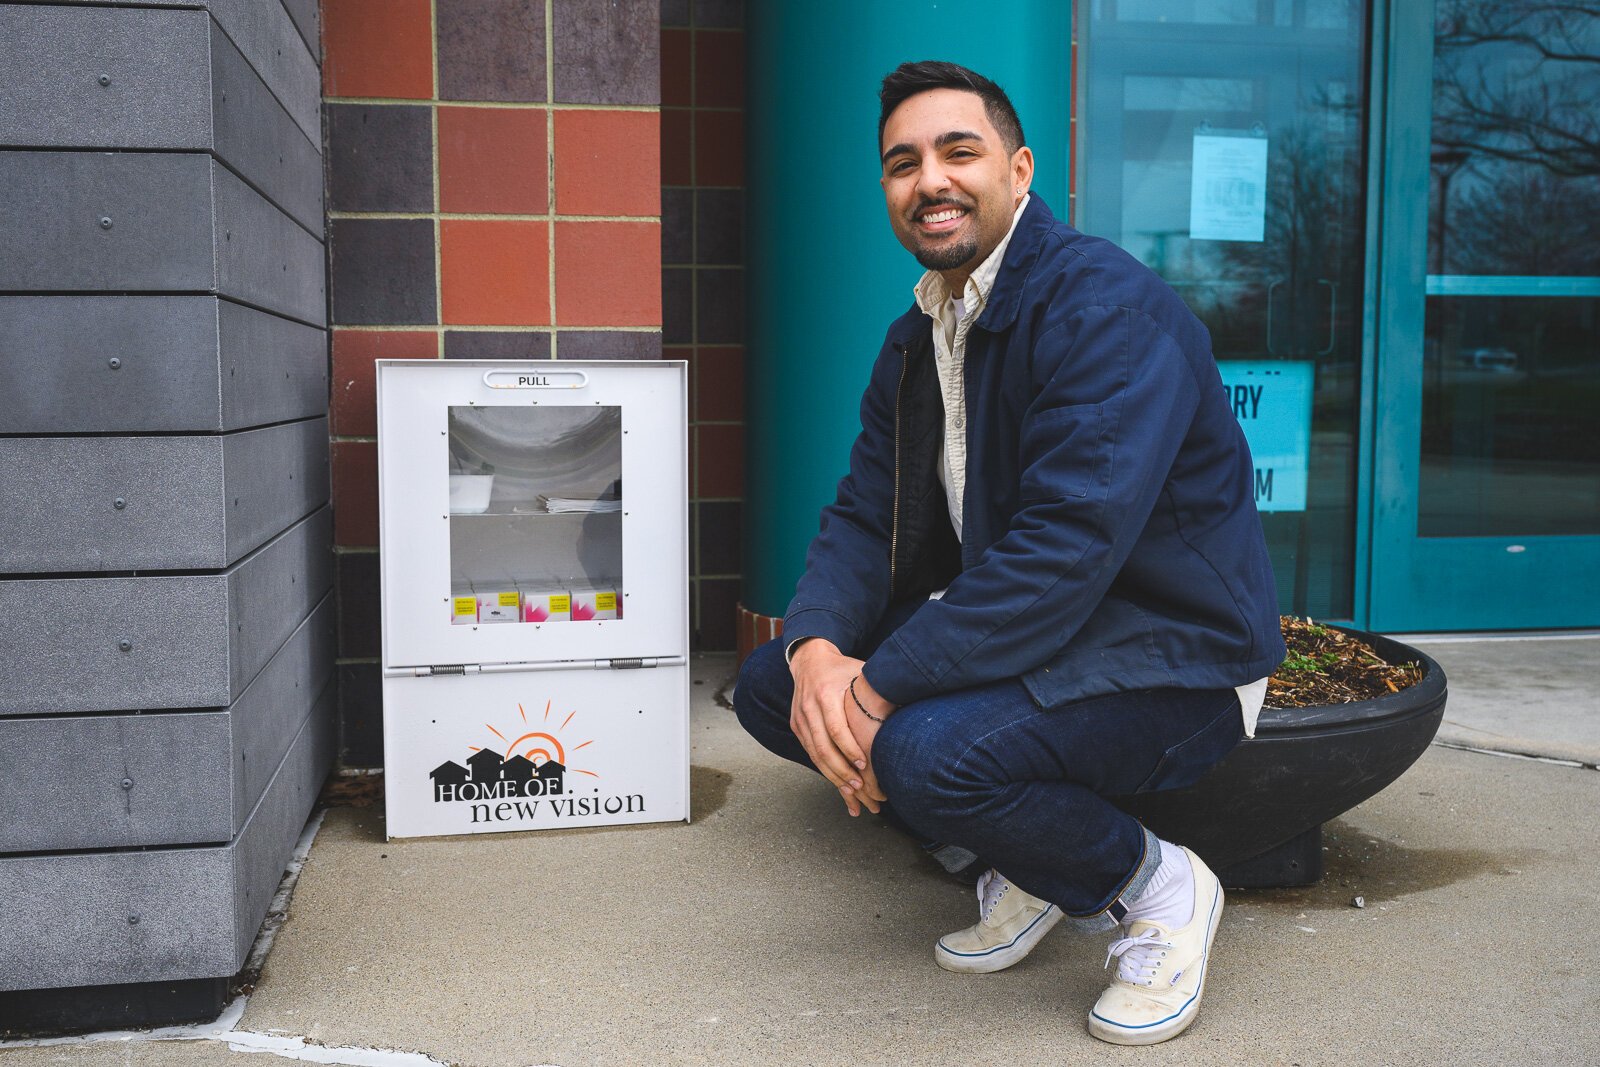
<point x="534" y="764"/>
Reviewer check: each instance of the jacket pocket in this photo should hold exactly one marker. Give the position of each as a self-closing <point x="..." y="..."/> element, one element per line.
<point x="1060" y="453"/>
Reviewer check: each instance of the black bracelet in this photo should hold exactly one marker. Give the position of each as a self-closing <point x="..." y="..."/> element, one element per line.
<point x="863" y="707"/>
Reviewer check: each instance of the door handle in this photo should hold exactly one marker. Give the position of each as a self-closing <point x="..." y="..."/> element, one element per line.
<point x="1333" y="312"/>
<point x="1271" y="288"/>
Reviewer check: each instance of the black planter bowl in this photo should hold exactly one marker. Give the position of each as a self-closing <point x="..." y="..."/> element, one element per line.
<point x="1256" y="818"/>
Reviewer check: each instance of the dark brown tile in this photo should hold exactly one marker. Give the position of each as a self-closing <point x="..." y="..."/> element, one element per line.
<point x="380" y="158"/>
<point x="718" y="13"/>
<point x="719" y="227"/>
<point x="718" y="372"/>
<point x="720" y="535"/>
<point x="718" y="69"/>
<point x="677" y="227"/>
<point x="607" y="53"/>
<point x="491" y="50"/>
<point x="720" y="319"/>
<point x="609" y="344"/>
<point x="382" y="272"/>
<point x="719" y="609"/>
<point x="677" y="305"/>
<point x="494" y="344"/>
<point x="358" y="604"/>
<point x="360" y="715"/>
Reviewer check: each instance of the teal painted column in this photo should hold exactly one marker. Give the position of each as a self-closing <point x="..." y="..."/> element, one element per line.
<point x="824" y="274"/>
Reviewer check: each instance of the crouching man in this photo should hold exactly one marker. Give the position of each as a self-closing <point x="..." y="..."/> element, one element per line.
<point x="1043" y="581"/>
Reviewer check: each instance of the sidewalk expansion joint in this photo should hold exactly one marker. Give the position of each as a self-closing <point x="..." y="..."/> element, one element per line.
<point x="1457" y="746"/>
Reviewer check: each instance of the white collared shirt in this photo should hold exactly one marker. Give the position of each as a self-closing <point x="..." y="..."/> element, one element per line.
<point x="953" y="315"/>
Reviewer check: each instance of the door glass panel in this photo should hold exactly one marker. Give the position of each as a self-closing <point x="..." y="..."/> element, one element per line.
<point x="535" y="514"/>
<point x="1222" y="143"/>
<point x="1511" y="360"/>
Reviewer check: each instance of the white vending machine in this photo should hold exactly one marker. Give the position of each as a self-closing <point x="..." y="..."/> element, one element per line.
<point x="534" y="569"/>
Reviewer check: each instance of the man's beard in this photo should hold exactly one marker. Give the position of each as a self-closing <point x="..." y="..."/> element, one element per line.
<point x="947" y="257"/>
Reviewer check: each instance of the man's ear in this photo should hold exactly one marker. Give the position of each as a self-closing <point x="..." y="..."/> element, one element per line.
<point x="1021" y="171"/>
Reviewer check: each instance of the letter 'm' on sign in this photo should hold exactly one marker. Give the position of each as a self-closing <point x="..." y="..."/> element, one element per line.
<point x="1272" y="401"/>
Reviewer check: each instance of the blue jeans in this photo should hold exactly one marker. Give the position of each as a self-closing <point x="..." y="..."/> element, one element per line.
<point x="1022" y="786"/>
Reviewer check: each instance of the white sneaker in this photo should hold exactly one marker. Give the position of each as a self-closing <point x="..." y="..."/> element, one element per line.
<point x="1010" y="923"/>
<point x="1161" y="974"/>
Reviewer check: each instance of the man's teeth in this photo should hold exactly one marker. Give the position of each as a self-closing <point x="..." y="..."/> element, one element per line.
<point x="943" y="216"/>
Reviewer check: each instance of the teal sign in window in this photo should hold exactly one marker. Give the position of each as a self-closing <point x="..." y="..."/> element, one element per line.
<point x="1272" y="401"/>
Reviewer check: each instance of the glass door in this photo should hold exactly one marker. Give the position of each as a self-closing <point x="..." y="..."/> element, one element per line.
<point x="1487" y="481"/>
<point x="1222" y="142"/>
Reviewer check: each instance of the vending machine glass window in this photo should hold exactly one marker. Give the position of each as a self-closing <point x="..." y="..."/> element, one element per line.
<point x="535" y="514"/>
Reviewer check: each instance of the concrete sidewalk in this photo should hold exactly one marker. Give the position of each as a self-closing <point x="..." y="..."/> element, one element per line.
<point x="775" y="929"/>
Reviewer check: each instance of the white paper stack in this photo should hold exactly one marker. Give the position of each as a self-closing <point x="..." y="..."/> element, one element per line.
<point x="563" y="505"/>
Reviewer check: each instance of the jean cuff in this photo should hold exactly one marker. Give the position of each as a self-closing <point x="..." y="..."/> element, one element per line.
<point x="1109" y="917"/>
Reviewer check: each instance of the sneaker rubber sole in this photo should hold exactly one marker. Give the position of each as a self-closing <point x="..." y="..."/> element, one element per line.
<point x="1001" y="956"/>
<point x="1176" y="1023"/>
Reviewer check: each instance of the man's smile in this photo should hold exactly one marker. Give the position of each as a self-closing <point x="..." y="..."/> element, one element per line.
<point x="940" y="218"/>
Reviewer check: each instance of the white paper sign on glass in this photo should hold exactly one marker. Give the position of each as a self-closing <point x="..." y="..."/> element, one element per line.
<point x="1228" y="187"/>
<point x="1272" y="401"/>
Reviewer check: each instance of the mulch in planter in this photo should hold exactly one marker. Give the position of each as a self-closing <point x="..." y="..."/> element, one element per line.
<point x="1327" y="666"/>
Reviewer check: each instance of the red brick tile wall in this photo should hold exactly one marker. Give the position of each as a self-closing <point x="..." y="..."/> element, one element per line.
<point x="494" y="191"/>
<point x="702" y="213"/>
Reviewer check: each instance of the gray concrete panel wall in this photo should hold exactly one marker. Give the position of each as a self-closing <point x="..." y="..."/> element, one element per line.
<point x="144" y="78"/>
<point x="259" y="140"/>
<point x="166" y="722"/>
<point x="271" y="476"/>
<point x="90" y="77"/>
<point x="263" y="257"/>
<point x="114" y="781"/>
<point x="106" y="220"/>
<point x="159" y="915"/>
<point x="305" y="15"/>
<point x="188" y="641"/>
<point x="262" y="850"/>
<point x="270" y="368"/>
<point x="152" y="222"/>
<point x="279" y="593"/>
<point x="276" y="50"/>
<point x="155" y="503"/>
<point x="267" y="714"/>
<point x="80" y="364"/>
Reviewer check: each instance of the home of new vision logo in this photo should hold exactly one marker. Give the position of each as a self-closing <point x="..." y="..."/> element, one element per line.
<point x="526" y="779"/>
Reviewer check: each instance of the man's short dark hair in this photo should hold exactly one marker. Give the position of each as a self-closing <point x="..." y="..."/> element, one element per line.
<point x="909" y="79"/>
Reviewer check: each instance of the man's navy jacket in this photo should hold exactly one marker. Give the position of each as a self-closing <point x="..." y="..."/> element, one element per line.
<point x="1109" y="539"/>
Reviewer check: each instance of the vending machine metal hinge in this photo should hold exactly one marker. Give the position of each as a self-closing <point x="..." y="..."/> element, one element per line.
<point x="637" y="662"/>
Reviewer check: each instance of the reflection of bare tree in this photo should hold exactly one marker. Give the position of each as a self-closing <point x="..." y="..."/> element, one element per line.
<point x="1516" y="80"/>
<point x="1513" y="222"/>
<point x="1517" y="111"/>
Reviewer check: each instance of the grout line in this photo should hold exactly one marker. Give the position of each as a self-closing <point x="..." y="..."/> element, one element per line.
<point x="550" y="156"/>
<point x="489" y="217"/>
<point x="438" y="193"/>
<point x="498" y="105"/>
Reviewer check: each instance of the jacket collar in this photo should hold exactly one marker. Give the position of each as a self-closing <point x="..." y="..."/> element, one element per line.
<point x="914" y="328"/>
<point x="1023" y="252"/>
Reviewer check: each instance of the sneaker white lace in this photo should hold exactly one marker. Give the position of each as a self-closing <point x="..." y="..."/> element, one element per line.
<point x="1010" y="923"/>
<point x="1161" y="973"/>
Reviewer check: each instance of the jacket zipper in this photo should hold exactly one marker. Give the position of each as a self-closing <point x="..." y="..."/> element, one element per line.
<point x="894" y="522"/>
